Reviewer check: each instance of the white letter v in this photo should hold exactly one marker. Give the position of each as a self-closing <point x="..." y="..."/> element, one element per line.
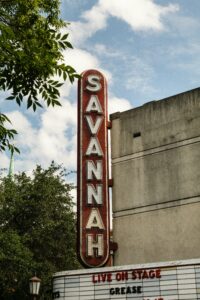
<point x="94" y="127"/>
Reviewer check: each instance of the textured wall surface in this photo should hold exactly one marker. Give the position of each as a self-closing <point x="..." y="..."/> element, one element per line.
<point x="156" y="173"/>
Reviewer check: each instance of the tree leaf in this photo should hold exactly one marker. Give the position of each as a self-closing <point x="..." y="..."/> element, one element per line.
<point x="29" y="102"/>
<point x="10" y="98"/>
<point x="65" y="36"/>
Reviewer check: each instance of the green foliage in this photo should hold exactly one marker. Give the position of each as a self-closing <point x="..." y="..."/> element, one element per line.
<point x="6" y="135"/>
<point x="31" y="48"/>
<point x="37" y="232"/>
<point x="16" y="262"/>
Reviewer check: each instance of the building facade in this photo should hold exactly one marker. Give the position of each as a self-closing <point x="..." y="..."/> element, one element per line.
<point x="156" y="180"/>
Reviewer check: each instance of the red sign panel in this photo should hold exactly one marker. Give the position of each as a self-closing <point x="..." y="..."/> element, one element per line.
<point x="93" y="204"/>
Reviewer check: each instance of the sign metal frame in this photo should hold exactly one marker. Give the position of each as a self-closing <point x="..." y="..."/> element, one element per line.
<point x="93" y="222"/>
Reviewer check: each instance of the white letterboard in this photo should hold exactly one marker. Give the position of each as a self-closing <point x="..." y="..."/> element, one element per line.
<point x="151" y="282"/>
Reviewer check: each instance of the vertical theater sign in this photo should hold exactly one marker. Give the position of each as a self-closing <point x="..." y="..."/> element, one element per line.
<point x="93" y="202"/>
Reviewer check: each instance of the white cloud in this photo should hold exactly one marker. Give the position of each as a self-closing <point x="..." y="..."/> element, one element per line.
<point x="138" y="72"/>
<point x="108" y="52"/>
<point x="82" y="60"/>
<point x="139" y="15"/>
<point x="96" y="17"/>
<point x="53" y="139"/>
<point x="118" y="104"/>
<point x="4" y="163"/>
<point x="56" y="137"/>
<point x="26" y="133"/>
<point x="184" y="26"/>
<point x="93" y="20"/>
<point x="139" y="75"/>
<point x="189" y="48"/>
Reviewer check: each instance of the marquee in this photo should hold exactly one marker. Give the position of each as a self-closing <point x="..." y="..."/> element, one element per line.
<point x="162" y="281"/>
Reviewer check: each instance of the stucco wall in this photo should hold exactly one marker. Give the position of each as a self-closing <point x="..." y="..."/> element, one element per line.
<point x="156" y="173"/>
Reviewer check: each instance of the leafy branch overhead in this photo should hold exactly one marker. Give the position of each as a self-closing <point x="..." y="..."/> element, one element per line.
<point x="31" y="52"/>
<point x="6" y="135"/>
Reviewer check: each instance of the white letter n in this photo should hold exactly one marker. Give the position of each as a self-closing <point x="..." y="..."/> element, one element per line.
<point x="94" y="193"/>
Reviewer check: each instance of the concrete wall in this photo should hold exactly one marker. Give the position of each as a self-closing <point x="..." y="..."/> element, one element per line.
<point x="156" y="173"/>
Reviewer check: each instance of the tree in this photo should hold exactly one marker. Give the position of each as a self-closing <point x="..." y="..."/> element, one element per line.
<point x="37" y="230"/>
<point x="31" y="46"/>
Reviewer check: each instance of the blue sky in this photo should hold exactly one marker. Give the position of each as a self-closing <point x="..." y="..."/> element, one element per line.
<point x="147" y="49"/>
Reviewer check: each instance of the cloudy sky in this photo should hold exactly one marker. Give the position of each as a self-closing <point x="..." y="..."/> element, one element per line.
<point x="147" y="49"/>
